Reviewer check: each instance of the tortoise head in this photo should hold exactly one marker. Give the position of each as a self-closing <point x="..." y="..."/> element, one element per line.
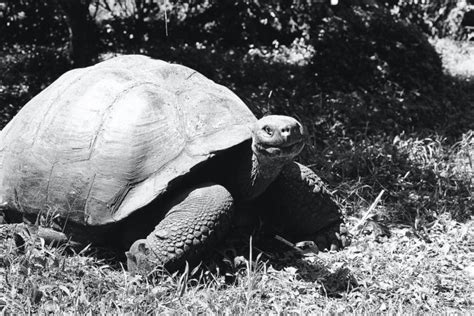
<point x="278" y="138"/>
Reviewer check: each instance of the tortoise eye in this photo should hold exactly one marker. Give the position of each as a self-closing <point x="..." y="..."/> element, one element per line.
<point x="268" y="130"/>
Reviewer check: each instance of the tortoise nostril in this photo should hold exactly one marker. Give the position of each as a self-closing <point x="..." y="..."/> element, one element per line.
<point x="285" y="132"/>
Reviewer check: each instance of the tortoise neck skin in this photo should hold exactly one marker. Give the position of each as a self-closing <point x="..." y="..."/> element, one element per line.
<point x="263" y="172"/>
<point x="252" y="174"/>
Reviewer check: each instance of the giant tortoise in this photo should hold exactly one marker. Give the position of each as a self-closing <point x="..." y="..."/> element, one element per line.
<point x="155" y="157"/>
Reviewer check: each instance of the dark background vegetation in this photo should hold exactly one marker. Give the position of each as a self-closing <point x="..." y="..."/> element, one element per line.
<point x="361" y="75"/>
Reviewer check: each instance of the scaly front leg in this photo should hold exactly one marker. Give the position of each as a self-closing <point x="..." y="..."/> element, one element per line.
<point x="301" y="208"/>
<point x="198" y="218"/>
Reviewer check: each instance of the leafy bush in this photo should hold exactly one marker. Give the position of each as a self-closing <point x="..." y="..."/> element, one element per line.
<point x="436" y="18"/>
<point x="26" y="70"/>
<point x="32" y="22"/>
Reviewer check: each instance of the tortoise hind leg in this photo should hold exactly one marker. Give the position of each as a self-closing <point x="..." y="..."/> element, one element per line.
<point x="15" y="223"/>
<point x="302" y="209"/>
<point x="197" y="219"/>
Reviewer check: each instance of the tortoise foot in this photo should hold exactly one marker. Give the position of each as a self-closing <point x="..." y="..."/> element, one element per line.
<point x="333" y="238"/>
<point x="198" y="219"/>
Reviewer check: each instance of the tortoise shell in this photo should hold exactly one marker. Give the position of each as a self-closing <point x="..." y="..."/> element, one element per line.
<point x="104" y="141"/>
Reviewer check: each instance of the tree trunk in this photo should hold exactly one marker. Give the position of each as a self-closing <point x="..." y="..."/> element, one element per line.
<point x="83" y="42"/>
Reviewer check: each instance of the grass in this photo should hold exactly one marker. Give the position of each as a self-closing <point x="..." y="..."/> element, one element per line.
<point x="425" y="266"/>
<point x="401" y="274"/>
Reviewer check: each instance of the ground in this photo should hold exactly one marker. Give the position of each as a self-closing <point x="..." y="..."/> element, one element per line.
<point x="423" y="266"/>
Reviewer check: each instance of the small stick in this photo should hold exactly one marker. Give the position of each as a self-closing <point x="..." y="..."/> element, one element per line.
<point x="355" y="231"/>
<point x="288" y="243"/>
<point x="166" y="18"/>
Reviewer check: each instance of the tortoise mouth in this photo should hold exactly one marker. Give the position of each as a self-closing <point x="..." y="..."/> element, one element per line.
<point x="280" y="150"/>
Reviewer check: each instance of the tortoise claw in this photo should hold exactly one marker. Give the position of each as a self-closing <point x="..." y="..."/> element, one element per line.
<point x="333" y="238"/>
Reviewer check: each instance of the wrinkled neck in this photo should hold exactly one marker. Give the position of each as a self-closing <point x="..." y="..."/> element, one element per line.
<point x="253" y="174"/>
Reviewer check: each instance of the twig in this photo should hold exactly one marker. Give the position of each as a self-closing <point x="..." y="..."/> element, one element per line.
<point x="288" y="243"/>
<point x="166" y="18"/>
<point x="355" y="231"/>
